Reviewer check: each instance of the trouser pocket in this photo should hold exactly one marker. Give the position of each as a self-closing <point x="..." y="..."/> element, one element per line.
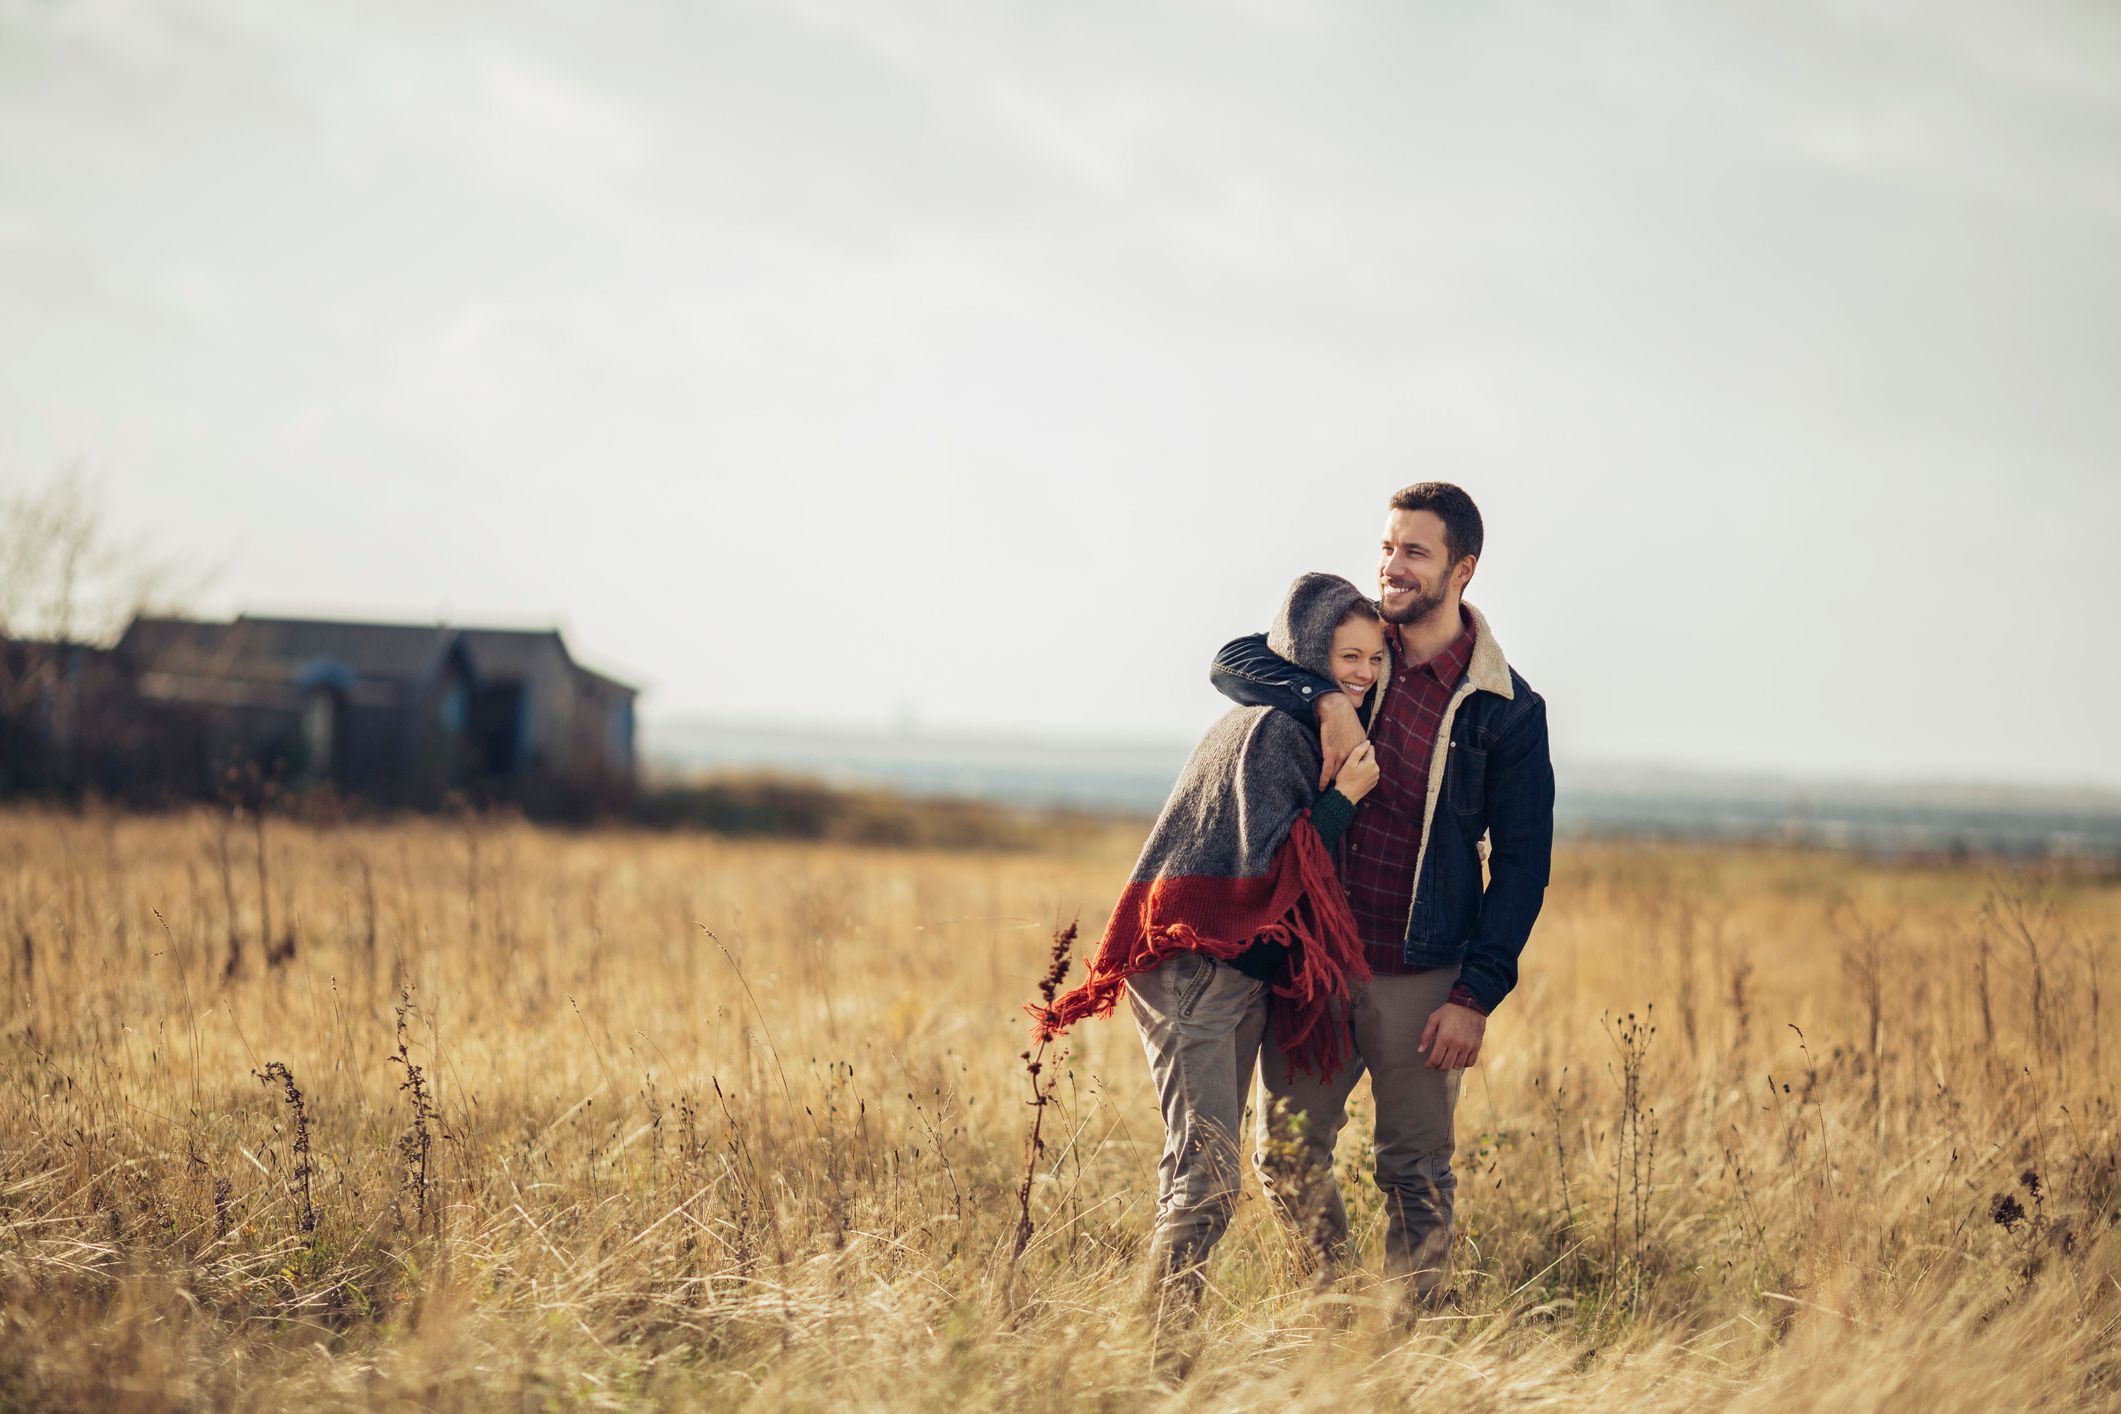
<point x="1195" y="972"/>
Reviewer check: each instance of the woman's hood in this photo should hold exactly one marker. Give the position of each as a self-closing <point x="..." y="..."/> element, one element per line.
<point x="1303" y="630"/>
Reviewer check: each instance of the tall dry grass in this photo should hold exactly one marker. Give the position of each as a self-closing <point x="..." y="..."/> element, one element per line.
<point x="466" y="1114"/>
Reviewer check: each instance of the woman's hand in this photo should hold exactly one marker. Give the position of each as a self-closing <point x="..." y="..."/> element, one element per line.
<point x="1339" y="733"/>
<point x="1358" y="773"/>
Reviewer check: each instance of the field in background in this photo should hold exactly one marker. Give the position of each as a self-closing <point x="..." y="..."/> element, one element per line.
<point x="1625" y="799"/>
<point x="466" y="1114"/>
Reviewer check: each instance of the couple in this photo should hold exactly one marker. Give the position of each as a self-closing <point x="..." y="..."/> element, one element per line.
<point x="1312" y="897"/>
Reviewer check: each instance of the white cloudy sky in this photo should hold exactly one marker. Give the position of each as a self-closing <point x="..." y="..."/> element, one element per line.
<point x="987" y="364"/>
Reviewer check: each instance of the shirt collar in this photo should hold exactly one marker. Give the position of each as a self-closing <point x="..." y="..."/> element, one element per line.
<point x="1449" y="666"/>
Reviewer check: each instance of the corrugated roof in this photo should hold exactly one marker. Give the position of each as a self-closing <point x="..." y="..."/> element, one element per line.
<point x="608" y="684"/>
<point x="510" y="652"/>
<point x="513" y="653"/>
<point x="275" y="648"/>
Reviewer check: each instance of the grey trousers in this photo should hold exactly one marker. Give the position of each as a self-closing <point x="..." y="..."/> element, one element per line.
<point x="1300" y="1119"/>
<point x="1201" y="1022"/>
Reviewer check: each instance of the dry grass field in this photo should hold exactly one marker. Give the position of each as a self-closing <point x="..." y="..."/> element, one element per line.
<point x="473" y="1114"/>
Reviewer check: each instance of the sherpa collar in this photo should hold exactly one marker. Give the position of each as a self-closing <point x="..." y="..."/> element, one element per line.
<point x="1489" y="671"/>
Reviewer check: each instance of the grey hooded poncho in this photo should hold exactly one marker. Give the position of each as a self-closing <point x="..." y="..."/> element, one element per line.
<point x="1233" y="859"/>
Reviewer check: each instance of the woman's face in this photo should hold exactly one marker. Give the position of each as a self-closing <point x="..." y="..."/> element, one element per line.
<point x="1358" y="655"/>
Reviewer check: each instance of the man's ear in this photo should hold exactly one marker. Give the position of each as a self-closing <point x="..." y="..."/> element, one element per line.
<point x="1462" y="572"/>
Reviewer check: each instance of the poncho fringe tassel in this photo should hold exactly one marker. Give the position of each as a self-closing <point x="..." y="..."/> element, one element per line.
<point x="1298" y="903"/>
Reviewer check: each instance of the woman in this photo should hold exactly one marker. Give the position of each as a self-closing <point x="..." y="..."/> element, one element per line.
<point x="1233" y="911"/>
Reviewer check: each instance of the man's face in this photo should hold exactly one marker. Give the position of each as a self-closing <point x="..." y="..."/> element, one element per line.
<point x="1416" y="576"/>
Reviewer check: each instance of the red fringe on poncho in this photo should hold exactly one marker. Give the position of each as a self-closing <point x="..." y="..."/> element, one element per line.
<point x="1297" y="902"/>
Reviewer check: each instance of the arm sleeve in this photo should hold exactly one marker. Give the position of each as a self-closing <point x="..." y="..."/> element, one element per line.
<point x="1253" y="675"/>
<point x="1521" y="829"/>
<point x="1331" y="815"/>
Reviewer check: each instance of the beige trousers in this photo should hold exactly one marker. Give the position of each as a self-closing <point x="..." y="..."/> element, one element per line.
<point x="1301" y="1117"/>
<point x="1200" y="1023"/>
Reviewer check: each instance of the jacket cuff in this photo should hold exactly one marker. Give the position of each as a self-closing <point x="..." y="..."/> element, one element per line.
<point x="1462" y="995"/>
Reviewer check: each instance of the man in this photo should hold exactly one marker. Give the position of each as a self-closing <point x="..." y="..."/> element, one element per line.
<point x="1461" y="740"/>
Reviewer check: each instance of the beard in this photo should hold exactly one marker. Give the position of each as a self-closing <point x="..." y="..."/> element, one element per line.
<point x="1418" y="607"/>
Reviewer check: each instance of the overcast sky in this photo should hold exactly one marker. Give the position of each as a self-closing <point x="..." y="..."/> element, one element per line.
<point x="985" y="366"/>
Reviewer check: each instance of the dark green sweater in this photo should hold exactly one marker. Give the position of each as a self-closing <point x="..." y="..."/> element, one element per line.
<point x="1330" y="815"/>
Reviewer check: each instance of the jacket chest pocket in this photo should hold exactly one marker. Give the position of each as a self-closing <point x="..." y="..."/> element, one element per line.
<point x="1466" y="780"/>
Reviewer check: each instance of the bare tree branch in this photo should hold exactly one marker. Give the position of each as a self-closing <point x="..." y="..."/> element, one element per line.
<point x="65" y="575"/>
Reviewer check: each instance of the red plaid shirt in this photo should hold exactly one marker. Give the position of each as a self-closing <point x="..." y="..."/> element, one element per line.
<point x="1378" y="853"/>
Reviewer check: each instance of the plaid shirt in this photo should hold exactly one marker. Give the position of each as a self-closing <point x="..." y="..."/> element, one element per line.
<point x="1378" y="853"/>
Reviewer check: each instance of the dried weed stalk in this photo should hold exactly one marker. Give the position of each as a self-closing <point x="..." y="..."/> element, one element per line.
<point x="1042" y="1088"/>
<point x="277" y="1073"/>
<point x="416" y="1143"/>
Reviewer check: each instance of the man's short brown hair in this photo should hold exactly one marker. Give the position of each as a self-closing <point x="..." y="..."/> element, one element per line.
<point x="1460" y="517"/>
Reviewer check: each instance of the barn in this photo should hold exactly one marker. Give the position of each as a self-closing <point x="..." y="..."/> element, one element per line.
<point x="400" y="714"/>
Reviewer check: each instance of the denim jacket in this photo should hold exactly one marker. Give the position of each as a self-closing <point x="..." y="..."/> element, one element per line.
<point x="1490" y="775"/>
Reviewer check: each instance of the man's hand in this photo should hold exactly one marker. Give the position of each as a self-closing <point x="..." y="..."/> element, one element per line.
<point x="1339" y="733"/>
<point x="1451" y="1040"/>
